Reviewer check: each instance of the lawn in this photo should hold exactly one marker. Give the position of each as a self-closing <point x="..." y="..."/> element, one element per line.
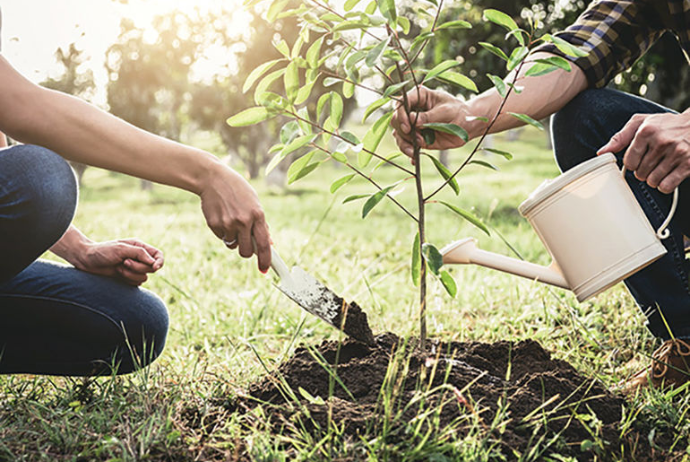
<point x="229" y="324"/>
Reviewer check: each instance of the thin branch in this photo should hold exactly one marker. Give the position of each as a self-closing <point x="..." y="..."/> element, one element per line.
<point x="359" y="172"/>
<point x="433" y="27"/>
<point x="296" y="116"/>
<point x="364" y="87"/>
<point x="484" y="135"/>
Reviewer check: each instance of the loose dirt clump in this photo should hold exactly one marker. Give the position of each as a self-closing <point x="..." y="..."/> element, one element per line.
<point x="515" y="393"/>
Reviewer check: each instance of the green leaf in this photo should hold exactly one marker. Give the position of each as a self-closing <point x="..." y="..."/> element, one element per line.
<point x="266" y="83"/>
<point x="336" y="108"/>
<point x="373" y="107"/>
<point x="371" y="7"/>
<point x="274" y="163"/>
<point x="387" y="9"/>
<point x="323" y="99"/>
<point x="445" y="173"/>
<point x="350" y="137"/>
<point x="404" y="24"/>
<point x="348" y="89"/>
<point x="283" y="48"/>
<point x="272" y="100"/>
<point x="484" y="164"/>
<point x="505" y="154"/>
<point x="458" y="79"/>
<point x="339" y="157"/>
<point x="416" y="266"/>
<point x="539" y="69"/>
<point x="451" y="129"/>
<point x="516" y="57"/>
<point x="304" y="93"/>
<point x="291" y="79"/>
<point x="301" y="167"/>
<point x="395" y="88"/>
<point x="355" y="197"/>
<point x="314" y="52"/>
<point x="499" y="84"/>
<point x="495" y="50"/>
<point x="256" y="73"/>
<point x="440" y="68"/>
<point x="349" y="4"/>
<point x="297" y="143"/>
<point x="375" y="199"/>
<point x="276" y="7"/>
<point x="433" y="257"/>
<point x="500" y="18"/>
<point x="250" y="116"/>
<point x="459" y="24"/>
<point x="339" y="183"/>
<point x="448" y="283"/>
<point x="373" y="137"/>
<point x="376" y="52"/>
<point x="289" y="132"/>
<point x="567" y="48"/>
<point x="556" y="61"/>
<point x="429" y="136"/>
<point x="386" y="160"/>
<point x="297" y="47"/>
<point x="528" y="120"/>
<point x="467" y="216"/>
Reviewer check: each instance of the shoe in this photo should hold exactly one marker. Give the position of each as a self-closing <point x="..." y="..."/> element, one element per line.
<point x="670" y="368"/>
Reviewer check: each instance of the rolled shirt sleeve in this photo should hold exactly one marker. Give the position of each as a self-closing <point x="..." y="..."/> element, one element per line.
<point x="614" y="34"/>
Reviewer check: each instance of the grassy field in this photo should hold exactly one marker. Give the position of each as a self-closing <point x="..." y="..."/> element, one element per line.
<point x="228" y="323"/>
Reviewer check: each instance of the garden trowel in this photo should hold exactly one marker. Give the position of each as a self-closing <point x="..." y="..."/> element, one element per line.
<point x="320" y="301"/>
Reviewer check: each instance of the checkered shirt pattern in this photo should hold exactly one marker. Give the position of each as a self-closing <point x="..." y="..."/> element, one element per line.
<point x="615" y="33"/>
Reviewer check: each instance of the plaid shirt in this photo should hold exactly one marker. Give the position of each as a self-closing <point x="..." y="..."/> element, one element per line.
<point x="615" y="33"/>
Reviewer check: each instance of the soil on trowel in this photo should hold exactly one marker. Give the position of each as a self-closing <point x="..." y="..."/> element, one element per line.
<point x="538" y="400"/>
<point x="356" y="324"/>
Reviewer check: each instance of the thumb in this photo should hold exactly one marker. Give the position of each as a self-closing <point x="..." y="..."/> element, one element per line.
<point x="623" y="138"/>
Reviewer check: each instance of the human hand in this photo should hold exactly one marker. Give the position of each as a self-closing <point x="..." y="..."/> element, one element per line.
<point x="233" y="212"/>
<point x="434" y="106"/>
<point x="128" y="259"/>
<point x="658" y="148"/>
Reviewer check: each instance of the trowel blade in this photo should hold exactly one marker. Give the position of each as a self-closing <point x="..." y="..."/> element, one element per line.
<point x="319" y="300"/>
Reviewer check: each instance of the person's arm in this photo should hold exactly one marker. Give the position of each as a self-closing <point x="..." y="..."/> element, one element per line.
<point x="83" y="133"/>
<point x="129" y="259"/>
<point x="539" y="97"/>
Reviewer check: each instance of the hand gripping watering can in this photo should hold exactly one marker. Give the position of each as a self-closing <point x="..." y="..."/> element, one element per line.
<point x="590" y="223"/>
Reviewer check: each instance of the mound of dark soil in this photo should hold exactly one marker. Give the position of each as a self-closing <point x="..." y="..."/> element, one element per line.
<point x="450" y="385"/>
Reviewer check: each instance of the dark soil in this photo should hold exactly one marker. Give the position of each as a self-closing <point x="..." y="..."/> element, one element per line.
<point x="465" y="385"/>
<point x="356" y="324"/>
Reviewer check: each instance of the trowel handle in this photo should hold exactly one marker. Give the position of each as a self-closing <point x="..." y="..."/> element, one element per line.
<point x="278" y="265"/>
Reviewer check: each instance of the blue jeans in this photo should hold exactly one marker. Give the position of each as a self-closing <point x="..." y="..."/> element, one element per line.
<point x="55" y="319"/>
<point x="579" y="130"/>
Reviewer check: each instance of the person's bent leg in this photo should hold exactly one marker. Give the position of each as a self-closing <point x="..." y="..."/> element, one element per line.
<point x="38" y="197"/>
<point x="579" y="130"/>
<point x="58" y="320"/>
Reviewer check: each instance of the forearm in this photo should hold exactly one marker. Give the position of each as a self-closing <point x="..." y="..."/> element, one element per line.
<point x="72" y="246"/>
<point x="539" y="97"/>
<point x="83" y="133"/>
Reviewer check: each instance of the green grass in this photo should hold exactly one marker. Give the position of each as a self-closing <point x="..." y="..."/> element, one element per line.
<point x="227" y="319"/>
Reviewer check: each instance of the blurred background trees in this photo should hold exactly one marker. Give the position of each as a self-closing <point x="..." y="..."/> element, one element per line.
<point x="157" y="79"/>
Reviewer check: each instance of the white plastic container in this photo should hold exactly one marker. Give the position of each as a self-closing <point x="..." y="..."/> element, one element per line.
<point x="590" y="223"/>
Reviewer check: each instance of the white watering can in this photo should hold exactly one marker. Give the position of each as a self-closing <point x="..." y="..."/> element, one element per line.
<point x="590" y="223"/>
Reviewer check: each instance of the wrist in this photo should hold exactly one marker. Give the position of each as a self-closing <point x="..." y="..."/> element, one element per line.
<point x="207" y="169"/>
<point x="72" y="247"/>
<point x="479" y="114"/>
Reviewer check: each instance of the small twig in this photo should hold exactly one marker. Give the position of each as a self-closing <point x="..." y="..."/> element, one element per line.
<point x="364" y="87"/>
<point x="370" y="180"/>
<point x="378" y="156"/>
<point x="484" y="135"/>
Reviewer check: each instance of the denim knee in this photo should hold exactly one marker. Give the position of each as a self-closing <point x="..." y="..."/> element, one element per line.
<point x="50" y="190"/>
<point x="146" y="329"/>
<point x="38" y="199"/>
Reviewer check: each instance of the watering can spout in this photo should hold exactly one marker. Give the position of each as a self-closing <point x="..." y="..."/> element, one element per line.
<point x="465" y="251"/>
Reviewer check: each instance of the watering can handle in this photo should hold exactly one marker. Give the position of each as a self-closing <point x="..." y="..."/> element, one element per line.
<point x="663" y="232"/>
